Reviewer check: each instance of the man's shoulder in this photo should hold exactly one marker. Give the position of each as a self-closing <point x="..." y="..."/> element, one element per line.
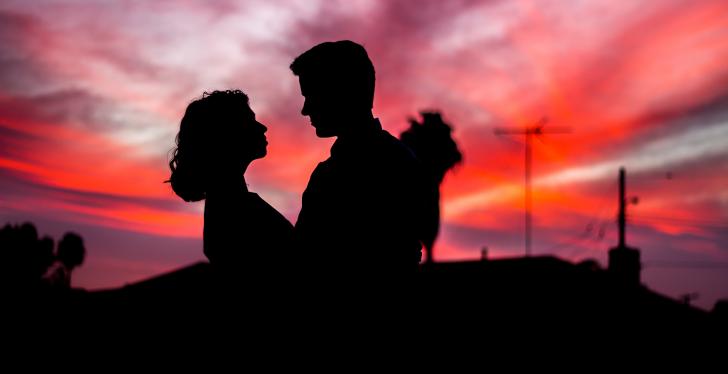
<point x="322" y="173"/>
<point x="395" y="147"/>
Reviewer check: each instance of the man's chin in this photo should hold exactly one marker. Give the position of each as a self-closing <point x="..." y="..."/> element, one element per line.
<point x="324" y="133"/>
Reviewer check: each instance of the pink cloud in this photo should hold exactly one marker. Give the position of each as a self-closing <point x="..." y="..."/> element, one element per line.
<point x="91" y="96"/>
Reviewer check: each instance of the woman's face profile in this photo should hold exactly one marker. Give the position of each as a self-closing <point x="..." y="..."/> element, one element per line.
<point x="251" y="138"/>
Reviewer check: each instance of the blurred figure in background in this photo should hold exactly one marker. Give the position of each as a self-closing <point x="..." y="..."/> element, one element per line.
<point x="432" y="142"/>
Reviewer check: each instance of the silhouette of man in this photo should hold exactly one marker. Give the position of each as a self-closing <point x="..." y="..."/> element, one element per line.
<point x="360" y="210"/>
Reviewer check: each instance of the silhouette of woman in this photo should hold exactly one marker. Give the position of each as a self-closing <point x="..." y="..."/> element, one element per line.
<point x="217" y="140"/>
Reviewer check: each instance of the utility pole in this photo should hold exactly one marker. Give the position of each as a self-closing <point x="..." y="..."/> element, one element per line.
<point x="624" y="262"/>
<point x="536" y="129"/>
<point x="622" y="217"/>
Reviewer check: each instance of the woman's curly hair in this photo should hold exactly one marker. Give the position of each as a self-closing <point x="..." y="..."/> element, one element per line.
<point x="199" y="129"/>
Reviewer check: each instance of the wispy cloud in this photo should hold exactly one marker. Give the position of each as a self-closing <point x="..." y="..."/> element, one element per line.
<point x="91" y="95"/>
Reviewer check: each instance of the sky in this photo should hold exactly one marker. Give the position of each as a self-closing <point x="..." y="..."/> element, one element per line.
<point x="92" y="92"/>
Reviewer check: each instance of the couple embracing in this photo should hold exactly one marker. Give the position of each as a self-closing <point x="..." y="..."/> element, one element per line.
<point x="363" y="209"/>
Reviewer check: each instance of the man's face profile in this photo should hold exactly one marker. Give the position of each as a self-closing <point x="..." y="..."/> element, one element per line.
<point x="323" y="106"/>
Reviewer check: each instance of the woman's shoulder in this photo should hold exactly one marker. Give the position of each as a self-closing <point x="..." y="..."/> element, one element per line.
<point x="265" y="210"/>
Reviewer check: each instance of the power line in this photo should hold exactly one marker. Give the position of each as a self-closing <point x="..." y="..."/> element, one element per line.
<point x="669" y="175"/>
<point x="686" y="264"/>
<point x="682" y="219"/>
<point x="597" y="220"/>
<point x="678" y="223"/>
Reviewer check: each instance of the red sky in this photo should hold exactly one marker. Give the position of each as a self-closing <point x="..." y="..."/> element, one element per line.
<point x="91" y="96"/>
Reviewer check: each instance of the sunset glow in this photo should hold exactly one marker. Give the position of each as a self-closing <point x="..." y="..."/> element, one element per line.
<point x="91" y="94"/>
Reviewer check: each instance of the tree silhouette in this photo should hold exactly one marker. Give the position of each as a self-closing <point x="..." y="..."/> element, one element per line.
<point x="25" y="257"/>
<point x="70" y="254"/>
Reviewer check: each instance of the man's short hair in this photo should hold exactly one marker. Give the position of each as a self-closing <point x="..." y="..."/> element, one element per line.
<point x="342" y="65"/>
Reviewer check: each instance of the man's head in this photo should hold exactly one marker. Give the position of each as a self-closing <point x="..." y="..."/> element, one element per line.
<point x="337" y="82"/>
